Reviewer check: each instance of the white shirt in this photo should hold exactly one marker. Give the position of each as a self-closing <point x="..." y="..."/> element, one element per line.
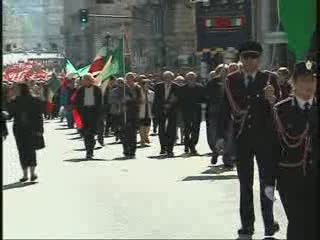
<point x="246" y="80"/>
<point x="302" y="102"/>
<point x="167" y="88"/>
<point x="88" y="97"/>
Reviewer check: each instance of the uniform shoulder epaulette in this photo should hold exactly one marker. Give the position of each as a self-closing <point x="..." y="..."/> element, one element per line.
<point x="284" y="103"/>
<point x="234" y="75"/>
<point x="269" y="73"/>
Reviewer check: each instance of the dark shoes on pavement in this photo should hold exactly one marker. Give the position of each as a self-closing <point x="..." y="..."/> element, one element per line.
<point x="214" y="159"/>
<point x="228" y="166"/>
<point x="89" y="155"/>
<point x="24" y="179"/>
<point x="101" y="140"/>
<point x="170" y="154"/>
<point x="163" y="151"/>
<point x="186" y="149"/>
<point x="248" y="231"/>
<point x="33" y="178"/>
<point x="272" y="230"/>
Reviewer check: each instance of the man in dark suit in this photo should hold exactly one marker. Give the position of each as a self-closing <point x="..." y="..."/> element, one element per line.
<point x="130" y="99"/>
<point x="191" y="95"/>
<point x="295" y="160"/>
<point x="164" y="107"/>
<point x="249" y="96"/>
<point x="88" y="102"/>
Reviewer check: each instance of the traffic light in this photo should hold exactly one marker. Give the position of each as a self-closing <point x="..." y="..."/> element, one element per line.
<point x="83" y="15"/>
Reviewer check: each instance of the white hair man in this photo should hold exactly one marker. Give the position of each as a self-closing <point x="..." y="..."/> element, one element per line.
<point x="89" y="101"/>
<point x="164" y="106"/>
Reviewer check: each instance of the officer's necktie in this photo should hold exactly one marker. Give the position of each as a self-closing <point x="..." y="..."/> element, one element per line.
<point x="249" y="81"/>
<point x="306" y="110"/>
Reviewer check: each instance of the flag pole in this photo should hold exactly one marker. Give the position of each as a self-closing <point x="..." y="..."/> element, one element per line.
<point x="124" y="72"/>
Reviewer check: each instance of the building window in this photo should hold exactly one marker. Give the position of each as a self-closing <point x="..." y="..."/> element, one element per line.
<point x="105" y="1"/>
<point x="157" y="24"/>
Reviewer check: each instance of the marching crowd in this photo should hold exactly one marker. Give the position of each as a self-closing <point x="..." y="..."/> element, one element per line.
<point x="249" y="113"/>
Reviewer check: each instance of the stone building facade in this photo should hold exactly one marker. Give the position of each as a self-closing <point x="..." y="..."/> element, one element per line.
<point x="160" y="33"/>
<point x="33" y="24"/>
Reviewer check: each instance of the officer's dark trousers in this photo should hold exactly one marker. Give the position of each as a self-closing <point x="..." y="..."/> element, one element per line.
<point x="27" y="153"/>
<point x="128" y="136"/>
<point x="192" y="121"/>
<point x="249" y="145"/>
<point x="167" y="130"/>
<point x="297" y="193"/>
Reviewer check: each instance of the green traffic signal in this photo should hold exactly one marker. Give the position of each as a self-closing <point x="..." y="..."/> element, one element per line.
<point x="83" y="15"/>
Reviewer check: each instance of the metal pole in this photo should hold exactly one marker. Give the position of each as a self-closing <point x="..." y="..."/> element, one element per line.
<point x="124" y="72"/>
<point x="118" y="16"/>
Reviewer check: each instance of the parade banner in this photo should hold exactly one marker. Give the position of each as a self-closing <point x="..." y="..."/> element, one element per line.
<point x="299" y="21"/>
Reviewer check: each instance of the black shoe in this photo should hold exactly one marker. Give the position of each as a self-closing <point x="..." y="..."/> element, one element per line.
<point x="186" y="149"/>
<point x="170" y="154"/>
<point x="214" y="159"/>
<point x="163" y="151"/>
<point x="194" y="153"/>
<point x="272" y="230"/>
<point x="24" y="179"/>
<point x="228" y="166"/>
<point x="89" y="155"/>
<point x="246" y="231"/>
<point x="33" y="178"/>
<point x="101" y="141"/>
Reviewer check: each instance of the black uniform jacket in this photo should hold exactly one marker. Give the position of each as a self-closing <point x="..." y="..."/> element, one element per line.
<point x="248" y="98"/>
<point x="294" y="122"/>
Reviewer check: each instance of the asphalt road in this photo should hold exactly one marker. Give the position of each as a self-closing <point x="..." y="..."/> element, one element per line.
<point x="108" y="197"/>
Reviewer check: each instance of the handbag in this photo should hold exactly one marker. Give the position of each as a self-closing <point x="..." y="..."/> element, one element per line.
<point x="38" y="142"/>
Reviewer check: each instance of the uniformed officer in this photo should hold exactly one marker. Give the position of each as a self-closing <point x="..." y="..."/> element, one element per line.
<point x="249" y="95"/>
<point x="296" y="158"/>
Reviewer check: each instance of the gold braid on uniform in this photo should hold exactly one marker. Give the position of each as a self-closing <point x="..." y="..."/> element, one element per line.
<point x="294" y="141"/>
<point x="239" y="115"/>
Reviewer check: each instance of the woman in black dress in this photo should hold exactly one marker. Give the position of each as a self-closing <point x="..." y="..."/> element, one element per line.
<point x="27" y="111"/>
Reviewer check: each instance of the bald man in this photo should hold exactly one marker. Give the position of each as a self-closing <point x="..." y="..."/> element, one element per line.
<point x="191" y="95"/>
<point x="164" y="108"/>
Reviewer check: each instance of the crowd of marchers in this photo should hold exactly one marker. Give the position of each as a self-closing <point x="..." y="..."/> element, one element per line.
<point x="249" y="113"/>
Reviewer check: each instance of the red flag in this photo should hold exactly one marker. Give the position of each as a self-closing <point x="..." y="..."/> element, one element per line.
<point x="99" y="61"/>
<point x="76" y="115"/>
<point x="77" y="118"/>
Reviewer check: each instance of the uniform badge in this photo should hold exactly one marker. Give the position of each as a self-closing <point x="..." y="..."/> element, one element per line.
<point x="309" y="65"/>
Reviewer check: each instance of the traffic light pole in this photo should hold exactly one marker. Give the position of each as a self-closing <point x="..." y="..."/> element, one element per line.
<point x="118" y="17"/>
